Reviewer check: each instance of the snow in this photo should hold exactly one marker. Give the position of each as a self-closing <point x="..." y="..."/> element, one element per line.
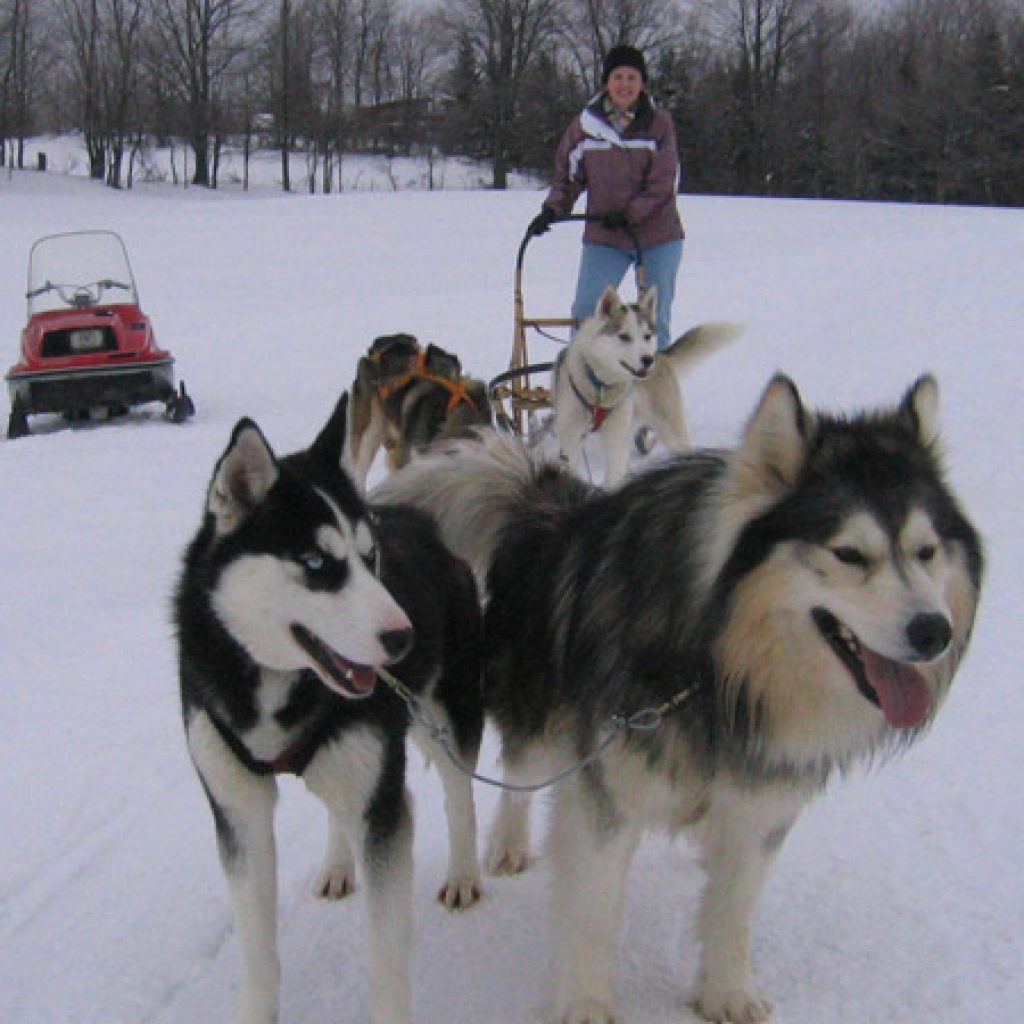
<point x="899" y="898"/>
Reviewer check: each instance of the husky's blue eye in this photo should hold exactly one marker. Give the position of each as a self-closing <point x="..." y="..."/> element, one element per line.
<point x="851" y="556"/>
<point x="312" y="561"/>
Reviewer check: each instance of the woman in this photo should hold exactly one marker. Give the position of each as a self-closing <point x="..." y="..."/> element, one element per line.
<point x="621" y="150"/>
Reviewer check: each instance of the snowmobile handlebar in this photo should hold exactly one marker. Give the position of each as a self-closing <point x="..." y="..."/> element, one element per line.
<point x="79" y="295"/>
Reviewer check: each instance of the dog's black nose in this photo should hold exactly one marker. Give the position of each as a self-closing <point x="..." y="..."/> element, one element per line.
<point x="647" y="362"/>
<point x="929" y="635"/>
<point x="397" y="643"/>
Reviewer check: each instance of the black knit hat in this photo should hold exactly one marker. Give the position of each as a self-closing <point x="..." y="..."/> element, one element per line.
<point x="623" y="56"/>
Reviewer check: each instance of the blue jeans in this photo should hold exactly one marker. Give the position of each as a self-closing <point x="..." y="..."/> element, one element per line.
<point x="602" y="265"/>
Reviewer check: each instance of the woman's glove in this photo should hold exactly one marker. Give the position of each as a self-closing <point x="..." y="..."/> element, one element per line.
<point x="542" y="222"/>
<point x="615" y="221"/>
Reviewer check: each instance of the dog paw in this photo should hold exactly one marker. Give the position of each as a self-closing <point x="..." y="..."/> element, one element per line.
<point x="459" y="893"/>
<point x="588" y="1011"/>
<point x="734" y="1007"/>
<point x="256" y="1011"/>
<point x="335" y="882"/>
<point x="507" y="860"/>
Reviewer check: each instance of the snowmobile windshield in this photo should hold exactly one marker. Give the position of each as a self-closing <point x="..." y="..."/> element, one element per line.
<point x="79" y="270"/>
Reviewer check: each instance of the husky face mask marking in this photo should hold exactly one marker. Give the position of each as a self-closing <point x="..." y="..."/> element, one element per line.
<point x="627" y="341"/>
<point x="341" y="622"/>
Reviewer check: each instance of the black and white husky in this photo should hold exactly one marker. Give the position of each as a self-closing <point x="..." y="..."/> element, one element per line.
<point x="787" y="608"/>
<point x="293" y="592"/>
<point x="611" y="379"/>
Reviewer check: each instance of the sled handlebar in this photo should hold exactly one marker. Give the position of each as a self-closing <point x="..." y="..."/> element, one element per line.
<point x="628" y="228"/>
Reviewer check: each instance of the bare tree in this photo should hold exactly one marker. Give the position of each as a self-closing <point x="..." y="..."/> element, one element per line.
<point x="83" y="19"/>
<point x="506" y="36"/>
<point x="593" y="27"/>
<point x="371" y="22"/>
<point x="196" y="42"/>
<point x="759" y="37"/>
<point x="16" y="58"/>
<point x="416" y="48"/>
<point x="334" y="28"/>
<point x="121" y="80"/>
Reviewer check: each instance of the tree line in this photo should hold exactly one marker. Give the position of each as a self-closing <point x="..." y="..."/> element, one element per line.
<point x="918" y="100"/>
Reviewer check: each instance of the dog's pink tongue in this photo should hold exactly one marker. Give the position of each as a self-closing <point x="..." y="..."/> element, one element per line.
<point x="363" y="678"/>
<point x="901" y="690"/>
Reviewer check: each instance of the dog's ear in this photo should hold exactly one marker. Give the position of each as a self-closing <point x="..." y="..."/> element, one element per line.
<point x="920" y="409"/>
<point x="243" y="476"/>
<point x="329" y="448"/>
<point x="648" y="304"/>
<point x="332" y="447"/>
<point x="609" y="306"/>
<point x="340" y="449"/>
<point x="777" y="436"/>
<point x="443" y="362"/>
<point x="367" y="372"/>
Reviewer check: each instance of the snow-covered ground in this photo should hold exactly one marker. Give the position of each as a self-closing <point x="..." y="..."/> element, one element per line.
<point x="65" y="154"/>
<point x="899" y="899"/>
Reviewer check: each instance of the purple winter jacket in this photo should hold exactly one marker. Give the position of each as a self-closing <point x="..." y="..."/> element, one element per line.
<point x="636" y="173"/>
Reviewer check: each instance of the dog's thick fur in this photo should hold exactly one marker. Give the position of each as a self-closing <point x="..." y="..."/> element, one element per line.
<point x="293" y="591"/>
<point x="610" y="379"/>
<point x="405" y="396"/>
<point x="807" y="597"/>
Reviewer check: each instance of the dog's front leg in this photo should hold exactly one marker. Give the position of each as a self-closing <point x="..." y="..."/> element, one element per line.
<point x="361" y="780"/>
<point x="508" y="845"/>
<point x="572" y="427"/>
<point x="745" y="829"/>
<point x="615" y="433"/>
<point x="243" y="811"/>
<point x="461" y="888"/>
<point x="337" y="877"/>
<point x="387" y="859"/>
<point x="591" y="846"/>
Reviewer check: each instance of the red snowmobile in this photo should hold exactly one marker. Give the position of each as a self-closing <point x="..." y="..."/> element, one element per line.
<point x="87" y="351"/>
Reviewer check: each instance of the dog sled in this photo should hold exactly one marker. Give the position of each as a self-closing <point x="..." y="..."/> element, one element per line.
<point x="521" y="394"/>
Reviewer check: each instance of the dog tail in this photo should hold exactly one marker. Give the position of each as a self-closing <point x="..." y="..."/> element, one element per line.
<point x="698" y="342"/>
<point x="471" y="486"/>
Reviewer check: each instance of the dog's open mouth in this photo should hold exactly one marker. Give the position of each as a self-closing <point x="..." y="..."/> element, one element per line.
<point x="894" y="686"/>
<point x="638" y="373"/>
<point x="344" y="676"/>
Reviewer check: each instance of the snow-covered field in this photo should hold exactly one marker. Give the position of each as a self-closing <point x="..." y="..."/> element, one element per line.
<point x="899" y="899"/>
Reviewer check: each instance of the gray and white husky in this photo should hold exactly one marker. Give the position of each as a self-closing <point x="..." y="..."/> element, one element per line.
<point x="293" y="592"/>
<point x="787" y="609"/>
<point x="611" y="379"/>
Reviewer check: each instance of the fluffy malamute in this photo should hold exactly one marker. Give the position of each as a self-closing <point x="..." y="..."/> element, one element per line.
<point x="790" y="607"/>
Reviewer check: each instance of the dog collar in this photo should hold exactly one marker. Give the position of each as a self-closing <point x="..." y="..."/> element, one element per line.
<point x="598" y="408"/>
<point x="290" y="761"/>
<point x="598" y="384"/>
